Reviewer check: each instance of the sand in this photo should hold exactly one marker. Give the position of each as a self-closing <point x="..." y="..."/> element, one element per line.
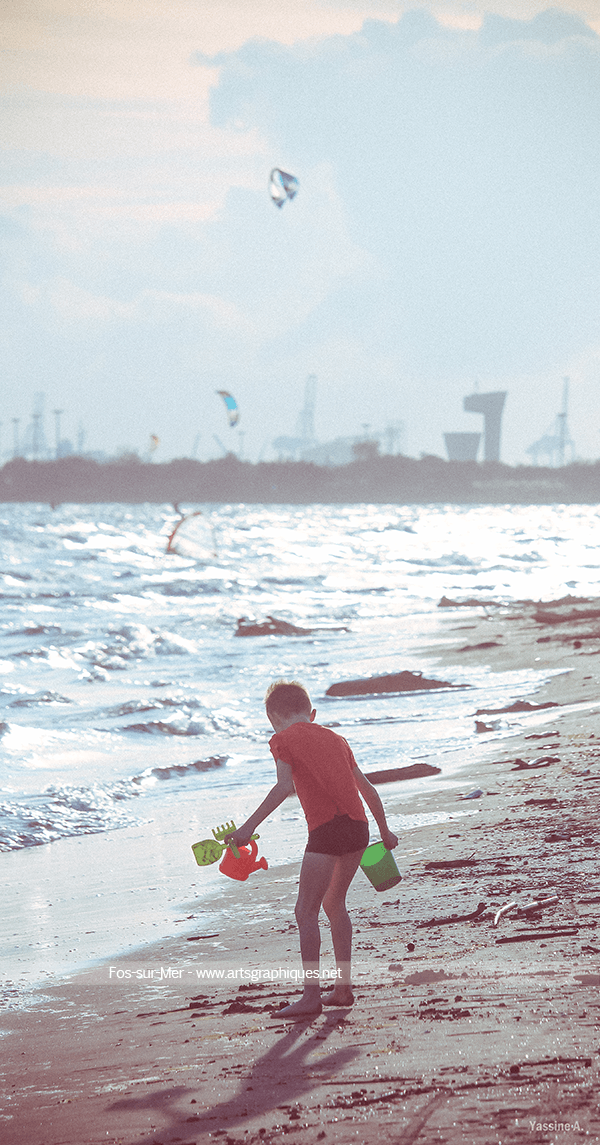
<point x="456" y="1034"/>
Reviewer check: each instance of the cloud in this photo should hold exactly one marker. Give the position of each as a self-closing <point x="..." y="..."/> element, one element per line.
<point x="68" y="303"/>
<point x="73" y="166"/>
<point x="138" y="50"/>
<point x="467" y="166"/>
<point x="470" y="14"/>
<point x="445" y="226"/>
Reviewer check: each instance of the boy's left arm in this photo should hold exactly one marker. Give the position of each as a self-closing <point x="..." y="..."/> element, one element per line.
<point x="376" y="808"/>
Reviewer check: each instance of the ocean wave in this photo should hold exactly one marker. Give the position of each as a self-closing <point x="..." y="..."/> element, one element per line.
<point x="175" y="727"/>
<point x="179" y="770"/>
<point x="60" y="813"/>
<point x="84" y="555"/>
<point x="65" y="811"/>
<point x="128" y="643"/>
<point x="228" y="722"/>
<point x="12" y="575"/>
<point x="67" y="594"/>
<point x="295" y="581"/>
<point x="190" y="588"/>
<point x="36" y="630"/>
<point x="130" y="706"/>
<point x="448" y="560"/>
<point x="39" y="698"/>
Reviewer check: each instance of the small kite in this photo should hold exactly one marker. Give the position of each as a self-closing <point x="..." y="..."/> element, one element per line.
<point x="233" y="412"/>
<point x="154" y="442"/>
<point x="282" y="186"/>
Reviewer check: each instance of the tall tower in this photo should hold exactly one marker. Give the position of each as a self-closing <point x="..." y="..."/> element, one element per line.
<point x="305" y="426"/>
<point x="563" y="432"/>
<point x="35" y="444"/>
<point x="491" y="406"/>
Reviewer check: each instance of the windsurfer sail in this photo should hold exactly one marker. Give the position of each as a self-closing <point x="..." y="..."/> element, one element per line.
<point x="193" y="536"/>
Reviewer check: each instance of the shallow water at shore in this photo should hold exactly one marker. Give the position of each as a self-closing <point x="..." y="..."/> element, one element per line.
<point x="132" y="716"/>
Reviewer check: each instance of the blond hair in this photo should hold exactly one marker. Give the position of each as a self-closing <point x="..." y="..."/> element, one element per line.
<point x="287" y="698"/>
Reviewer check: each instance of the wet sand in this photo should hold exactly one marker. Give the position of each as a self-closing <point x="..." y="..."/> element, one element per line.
<point x="456" y="1034"/>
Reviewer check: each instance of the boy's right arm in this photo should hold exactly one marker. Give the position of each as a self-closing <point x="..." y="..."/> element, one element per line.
<point x="276" y="796"/>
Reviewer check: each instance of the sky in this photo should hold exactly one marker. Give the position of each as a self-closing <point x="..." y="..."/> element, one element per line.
<point x="444" y="238"/>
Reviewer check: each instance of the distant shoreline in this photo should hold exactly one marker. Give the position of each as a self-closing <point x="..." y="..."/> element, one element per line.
<point x="385" y="479"/>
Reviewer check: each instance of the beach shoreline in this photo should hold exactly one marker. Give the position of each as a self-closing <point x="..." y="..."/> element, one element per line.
<point x="454" y="1035"/>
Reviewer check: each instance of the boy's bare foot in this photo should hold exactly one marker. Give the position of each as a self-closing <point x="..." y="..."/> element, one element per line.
<point x="339" y="996"/>
<point x="303" y="1008"/>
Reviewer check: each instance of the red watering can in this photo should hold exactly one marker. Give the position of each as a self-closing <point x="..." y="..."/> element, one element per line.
<point x="242" y="867"/>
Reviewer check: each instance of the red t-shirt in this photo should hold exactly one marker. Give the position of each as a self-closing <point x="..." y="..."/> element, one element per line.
<point x="322" y="764"/>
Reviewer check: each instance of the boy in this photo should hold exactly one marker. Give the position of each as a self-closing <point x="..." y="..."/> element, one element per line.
<point x="319" y="766"/>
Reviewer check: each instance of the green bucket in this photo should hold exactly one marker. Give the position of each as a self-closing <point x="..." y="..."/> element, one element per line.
<point x="380" y="867"/>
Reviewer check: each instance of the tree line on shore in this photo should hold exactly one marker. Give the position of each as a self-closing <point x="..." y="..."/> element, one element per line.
<point x="382" y="479"/>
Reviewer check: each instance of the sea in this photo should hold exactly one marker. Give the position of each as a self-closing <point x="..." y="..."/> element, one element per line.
<point x="132" y="718"/>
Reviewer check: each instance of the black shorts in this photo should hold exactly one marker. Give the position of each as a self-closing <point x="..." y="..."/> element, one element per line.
<point x="340" y="836"/>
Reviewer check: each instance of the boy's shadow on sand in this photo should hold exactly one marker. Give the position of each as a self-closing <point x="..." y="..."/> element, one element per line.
<point x="275" y="1078"/>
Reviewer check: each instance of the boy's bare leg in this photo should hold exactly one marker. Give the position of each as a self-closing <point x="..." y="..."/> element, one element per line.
<point x="324" y="879"/>
<point x="334" y="905"/>
<point x="315" y="876"/>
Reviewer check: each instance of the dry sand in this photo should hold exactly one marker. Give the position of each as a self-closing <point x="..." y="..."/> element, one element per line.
<point x="456" y="1035"/>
